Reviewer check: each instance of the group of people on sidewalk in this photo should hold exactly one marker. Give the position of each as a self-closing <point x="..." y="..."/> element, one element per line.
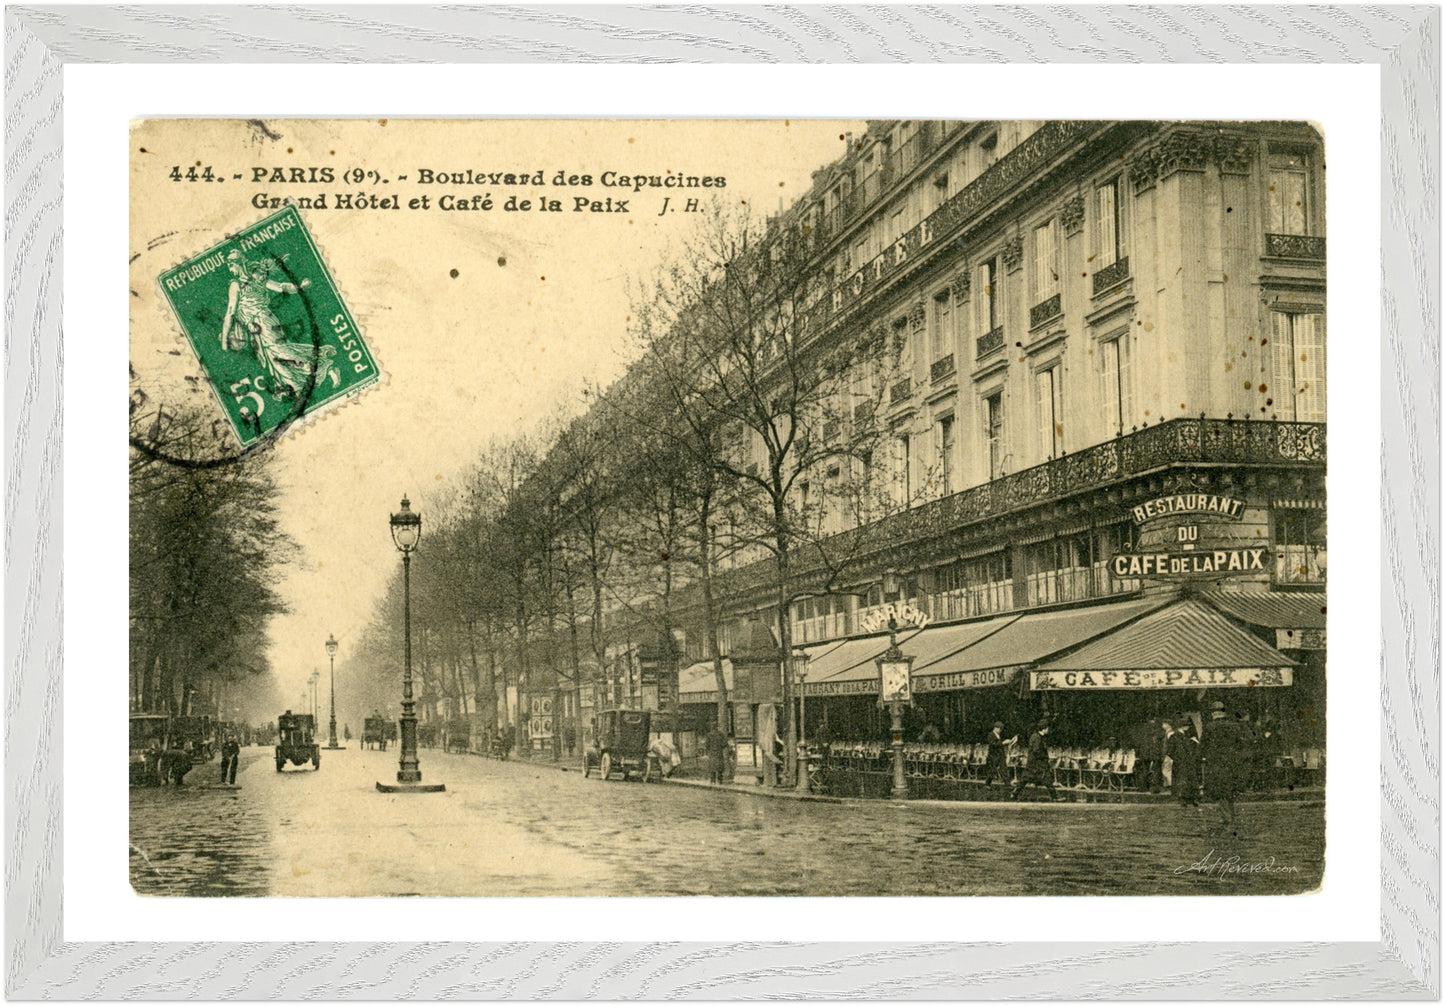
<point x="1220" y="762"/>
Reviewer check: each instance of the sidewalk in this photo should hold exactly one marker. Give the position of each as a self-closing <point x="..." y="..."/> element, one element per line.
<point x="985" y="797"/>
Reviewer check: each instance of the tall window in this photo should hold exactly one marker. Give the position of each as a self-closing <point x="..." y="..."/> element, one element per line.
<point x="1299" y="546"/>
<point x="1046" y="262"/>
<point x="1289" y="196"/>
<point x="1108" y="225"/>
<point x="860" y="253"/>
<point x="1118" y="384"/>
<point x="942" y="325"/>
<point x="1299" y="367"/>
<point x="993" y="432"/>
<point x="902" y="482"/>
<point x="903" y="347"/>
<point x="833" y="502"/>
<point x="943" y="435"/>
<point x="1049" y="400"/>
<point x="988" y="295"/>
<point x="988" y="151"/>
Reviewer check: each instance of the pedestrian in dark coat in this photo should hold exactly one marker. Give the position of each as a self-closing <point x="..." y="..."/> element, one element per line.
<point x="230" y="755"/>
<point x="1226" y="750"/>
<point x="1147" y="740"/>
<point x="1038" y="772"/>
<point x="996" y="767"/>
<point x="1184" y="751"/>
<point x="716" y="755"/>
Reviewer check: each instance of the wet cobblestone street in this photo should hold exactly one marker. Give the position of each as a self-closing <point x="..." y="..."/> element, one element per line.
<point x="517" y="829"/>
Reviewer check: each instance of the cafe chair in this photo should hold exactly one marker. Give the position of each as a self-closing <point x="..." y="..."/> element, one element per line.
<point x="1121" y="771"/>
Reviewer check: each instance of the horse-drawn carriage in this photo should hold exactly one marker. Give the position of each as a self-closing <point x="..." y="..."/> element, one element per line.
<point x="296" y="740"/>
<point x="457" y="736"/>
<point x="376" y="731"/>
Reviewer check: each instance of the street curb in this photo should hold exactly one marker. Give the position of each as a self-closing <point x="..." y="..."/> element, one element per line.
<point x="775" y="794"/>
<point x="1304" y="799"/>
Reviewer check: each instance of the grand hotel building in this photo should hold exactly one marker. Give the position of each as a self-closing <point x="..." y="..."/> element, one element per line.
<point x="1106" y="431"/>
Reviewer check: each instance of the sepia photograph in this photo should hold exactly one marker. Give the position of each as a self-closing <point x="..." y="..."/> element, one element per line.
<point x="722" y="507"/>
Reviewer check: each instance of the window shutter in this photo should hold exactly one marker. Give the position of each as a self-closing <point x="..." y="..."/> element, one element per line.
<point x="1282" y="359"/>
<point x="1106" y="227"/>
<point x="1309" y="368"/>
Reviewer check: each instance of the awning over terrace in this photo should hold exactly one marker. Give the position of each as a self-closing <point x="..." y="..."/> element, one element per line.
<point x="1184" y="645"/>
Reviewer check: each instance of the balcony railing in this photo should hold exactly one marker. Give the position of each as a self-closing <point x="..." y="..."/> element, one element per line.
<point x="990" y="342"/>
<point x="831" y="429"/>
<point x="1045" y="310"/>
<point x="990" y="189"/>
<point x="1300" y="246"/>
<point x="1217" y="441"/>
<point x="863" y="412"/>
<point x="900" y="392"/>
<point x="942" y="368"/>
<point x="1111" y="275"/>
<point x="1179" y="440"/>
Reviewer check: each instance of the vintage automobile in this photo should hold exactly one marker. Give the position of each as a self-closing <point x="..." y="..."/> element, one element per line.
<point x="623" y="737"/>
<point x="196" y="735"/>
<point x="150" y="736"/>
<point x="296" y="740"/>
<point x="376" y="731"/>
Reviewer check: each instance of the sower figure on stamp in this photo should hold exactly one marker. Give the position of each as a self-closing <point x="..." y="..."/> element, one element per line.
<point x="251" y="323"/>
<point x="1226" y="750"/>
<point x="1038" y="772"/>
<point x="996" y="767"/>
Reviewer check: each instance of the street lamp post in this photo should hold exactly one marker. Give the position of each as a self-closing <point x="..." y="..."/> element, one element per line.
<point x="331" y="647"/>
<point x="312" y="681"/>
<point x="405" y="533"/>
<point x="895" y="689"/>
<point x="800" y="662"/>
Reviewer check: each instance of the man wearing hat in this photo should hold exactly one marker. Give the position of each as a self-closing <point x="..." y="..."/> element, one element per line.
<point x="1183" y="747"/>
<point x="1038" y="771"/>
<point x="996" y="768"/>
<point x="1225" y="752"/>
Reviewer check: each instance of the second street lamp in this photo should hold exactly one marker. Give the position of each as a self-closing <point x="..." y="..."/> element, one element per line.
<point x="895" y="690"/>
<point x="406" y="533"/>
<point x="331" y="647"/>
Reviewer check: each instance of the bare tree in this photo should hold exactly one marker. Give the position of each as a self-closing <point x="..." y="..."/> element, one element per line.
<point x="779" y="415"/>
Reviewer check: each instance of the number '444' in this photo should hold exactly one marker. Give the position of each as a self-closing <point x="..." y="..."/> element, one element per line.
<point x="191" y="174"/>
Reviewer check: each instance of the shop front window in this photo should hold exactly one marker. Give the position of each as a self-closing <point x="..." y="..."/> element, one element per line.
<point x="971" y="587"/>
<point x="1299" y="547"/>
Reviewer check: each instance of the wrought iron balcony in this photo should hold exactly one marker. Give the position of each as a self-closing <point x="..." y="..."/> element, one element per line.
<point x="1299" y="246"/>
<point x="1179" y="440"/>
<point x="863" y="412"/>
<point x="901" y="391"/>
<point x="1045" y="310"/>
<point x="1214" y="441"/>
<point x="1111" y="275"/>
<point x="942" y="368"/>
<point x="990" y="342"/>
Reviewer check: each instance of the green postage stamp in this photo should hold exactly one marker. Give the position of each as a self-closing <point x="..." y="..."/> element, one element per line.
<point x="265" y="319"/>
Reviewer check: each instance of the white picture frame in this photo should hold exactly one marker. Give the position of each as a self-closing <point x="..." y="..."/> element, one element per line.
<point x="1404" y="42"/>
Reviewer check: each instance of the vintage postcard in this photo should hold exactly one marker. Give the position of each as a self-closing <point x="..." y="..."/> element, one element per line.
<point x="720" y="507"/>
